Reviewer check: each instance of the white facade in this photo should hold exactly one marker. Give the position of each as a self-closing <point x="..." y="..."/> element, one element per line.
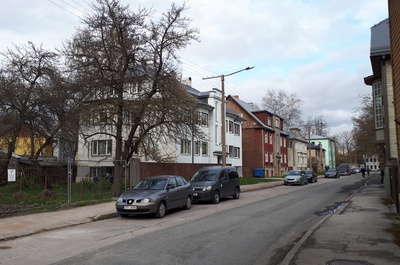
<point x="210" y="150"/>
<point x="95" y="156"/>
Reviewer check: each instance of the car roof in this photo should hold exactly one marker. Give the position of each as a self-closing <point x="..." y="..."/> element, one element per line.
<point x="218" y="167"/>
<point x="162" y="177"/>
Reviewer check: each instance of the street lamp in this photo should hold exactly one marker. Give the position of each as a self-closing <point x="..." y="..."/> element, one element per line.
<point x="223" y="136"/>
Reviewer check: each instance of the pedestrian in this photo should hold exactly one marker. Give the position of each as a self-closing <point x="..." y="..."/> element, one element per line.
<point x="382" y="175"/>
<point x="363" y="172"/>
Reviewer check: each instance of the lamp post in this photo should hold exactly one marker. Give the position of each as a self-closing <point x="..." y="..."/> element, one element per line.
<point x="223" y="135"/>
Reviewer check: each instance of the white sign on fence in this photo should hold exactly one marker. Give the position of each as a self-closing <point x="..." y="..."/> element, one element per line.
<point x="11" y="175"/>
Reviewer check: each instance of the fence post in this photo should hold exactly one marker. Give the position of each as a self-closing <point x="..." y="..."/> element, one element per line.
<point x="69" y="186"/>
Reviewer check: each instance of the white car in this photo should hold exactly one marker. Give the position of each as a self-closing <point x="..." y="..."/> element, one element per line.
<point x="298" y="177"/>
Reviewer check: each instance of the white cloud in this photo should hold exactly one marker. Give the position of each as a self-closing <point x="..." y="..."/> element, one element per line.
<point x="316" y="49"/>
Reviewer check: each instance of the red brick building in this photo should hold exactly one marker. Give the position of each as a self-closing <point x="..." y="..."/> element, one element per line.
<point x="264" y="143"/>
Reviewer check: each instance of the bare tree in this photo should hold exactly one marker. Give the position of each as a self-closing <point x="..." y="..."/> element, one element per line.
<point x="317" y="125"/>
<point x="283" y="104"/>
<point x="34" y="99"/>
<point x="129" y="63"/>
<point x="364" y="130"/>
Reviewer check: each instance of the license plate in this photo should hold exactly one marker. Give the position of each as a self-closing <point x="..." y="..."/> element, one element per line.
<point x="195" y="194"/>
<point x="130" y="207"/>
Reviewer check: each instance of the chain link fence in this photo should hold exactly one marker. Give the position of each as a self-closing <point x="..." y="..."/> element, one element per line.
<point x="42" y="183"/>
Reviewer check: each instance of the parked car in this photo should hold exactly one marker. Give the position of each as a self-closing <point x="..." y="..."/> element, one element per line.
<point x="332" y="173"/>
<point x="215" y="182"/>
<point x="156" y="195"/>
<point x="298" y="177"/>
<point x="355" y="170"/>
<point x="311" y="176"/>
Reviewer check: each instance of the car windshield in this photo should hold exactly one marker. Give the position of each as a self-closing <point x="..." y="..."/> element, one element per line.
<point x="151" y="184"/>
<point x="205" y="175"/>
<point x="294" y="172"/>
<point x="331" y="170"/>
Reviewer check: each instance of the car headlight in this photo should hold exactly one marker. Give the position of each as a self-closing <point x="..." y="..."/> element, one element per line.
<point x="146" y="200"/>
<point x="120" y="199"/>
<point x="207" y="189"/>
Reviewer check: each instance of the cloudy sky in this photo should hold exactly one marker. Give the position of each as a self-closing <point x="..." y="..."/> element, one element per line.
<point x="317" y="49"/>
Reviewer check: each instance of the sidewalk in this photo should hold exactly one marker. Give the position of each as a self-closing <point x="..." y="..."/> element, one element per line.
<point x="355" y="234"/>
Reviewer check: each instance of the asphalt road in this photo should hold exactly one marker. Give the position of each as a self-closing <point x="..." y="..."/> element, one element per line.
<point x="259" y="228"/>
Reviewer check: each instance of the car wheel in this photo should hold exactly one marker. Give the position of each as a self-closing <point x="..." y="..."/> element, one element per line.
<point x="188" y="203"/>
<point x="215" y="198"/>
<point x="237" y="194"/>
<point x="161" y="210"/>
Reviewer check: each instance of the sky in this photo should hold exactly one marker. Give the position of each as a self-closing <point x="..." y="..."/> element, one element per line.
<point x="315" y="49"/>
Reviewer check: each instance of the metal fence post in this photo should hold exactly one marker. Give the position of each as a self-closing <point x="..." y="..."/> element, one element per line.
<point x="69" y="186"/>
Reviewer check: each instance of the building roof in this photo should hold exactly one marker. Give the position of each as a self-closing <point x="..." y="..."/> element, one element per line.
<point x="380" y="38"/>
<point x="250" y="108"/>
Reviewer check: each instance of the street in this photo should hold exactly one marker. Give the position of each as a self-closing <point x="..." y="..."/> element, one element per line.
<point x="259" y="228"/>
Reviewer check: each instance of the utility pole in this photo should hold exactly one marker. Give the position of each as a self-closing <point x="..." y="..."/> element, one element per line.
<point x="223" y="133"/>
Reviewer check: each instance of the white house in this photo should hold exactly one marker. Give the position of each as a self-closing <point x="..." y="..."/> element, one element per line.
<point x="95" y="156"/>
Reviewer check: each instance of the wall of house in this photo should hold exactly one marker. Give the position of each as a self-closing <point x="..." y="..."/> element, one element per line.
<point x="390" y="110"/>
<point x="252" y="151"/>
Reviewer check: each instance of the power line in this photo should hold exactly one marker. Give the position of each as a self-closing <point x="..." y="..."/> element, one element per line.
<point x="65" y="9"/>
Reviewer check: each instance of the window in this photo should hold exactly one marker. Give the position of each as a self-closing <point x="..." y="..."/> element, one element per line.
<point x="236" y="152"/>
<point x="216" y="111"/>
<point x="197" y="148"/>
<point x="270" y="138"/>
<point x="266" y="138"/>
<point x="266" y="157"/>
<point x="231" y="127"/>
<point x="204" y="148"/>
<point x="277" y="122"/>
<point x="237" y="129"/>
<point x="172" y="183"/>
<point x="216" y="134"/>
<point x="203" y="119"/>
<point x="271" y="158"/>
<point x="378" y="105"/>
<point x="185" y="147"/>
<point x="180" y="181"/>
<point x="269" y="121"/>
<point x="101" y="116"/>
<point x="101" y="147"/>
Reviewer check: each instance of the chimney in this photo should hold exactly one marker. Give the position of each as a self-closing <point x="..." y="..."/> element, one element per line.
<point x="236" y="96"/>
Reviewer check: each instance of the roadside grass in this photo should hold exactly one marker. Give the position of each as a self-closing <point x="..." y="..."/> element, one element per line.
<point x="251" y="180"/>
<point x="30" y="196"/>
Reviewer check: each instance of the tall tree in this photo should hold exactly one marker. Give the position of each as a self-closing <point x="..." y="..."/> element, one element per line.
<point x="364" y="130"/>
<point x="317" y="125"/>
<point x="34" y="98"/>
<point x="129" y="63"/>
<point x="283" y="104"/>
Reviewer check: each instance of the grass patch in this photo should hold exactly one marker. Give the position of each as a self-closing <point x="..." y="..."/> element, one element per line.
<point x="250" y="181"/>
